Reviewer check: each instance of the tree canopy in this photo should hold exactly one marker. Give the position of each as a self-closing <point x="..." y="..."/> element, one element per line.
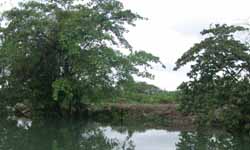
<point x="67" y="52"/>
<point x="218" y="90"/>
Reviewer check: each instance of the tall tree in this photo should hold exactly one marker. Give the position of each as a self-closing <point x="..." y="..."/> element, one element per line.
<point x="219" y="85"/>
<point x="66" y="52"/>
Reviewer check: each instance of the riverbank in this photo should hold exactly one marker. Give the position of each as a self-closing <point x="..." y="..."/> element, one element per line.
<point x="151" y="114"/>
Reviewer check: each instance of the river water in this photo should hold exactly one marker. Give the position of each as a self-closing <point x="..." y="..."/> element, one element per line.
<point x="25" y="134"/>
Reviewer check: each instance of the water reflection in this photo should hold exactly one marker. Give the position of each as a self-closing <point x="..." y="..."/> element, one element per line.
<point x="216" y="140"/>
<point x="24" y="123"/>
<point x="82" y="135"/>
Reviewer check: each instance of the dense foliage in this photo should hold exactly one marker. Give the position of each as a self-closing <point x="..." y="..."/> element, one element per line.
<point x="219" y="86"/>
<point x="60" y="53"/>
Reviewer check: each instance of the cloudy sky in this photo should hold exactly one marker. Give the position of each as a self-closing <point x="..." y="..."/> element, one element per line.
<point x="173" y="26"/>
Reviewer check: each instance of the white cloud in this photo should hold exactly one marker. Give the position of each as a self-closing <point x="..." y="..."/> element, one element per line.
<point x="174" y="26"/>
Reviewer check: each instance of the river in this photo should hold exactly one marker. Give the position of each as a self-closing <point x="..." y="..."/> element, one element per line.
<point x="54" y="134"/>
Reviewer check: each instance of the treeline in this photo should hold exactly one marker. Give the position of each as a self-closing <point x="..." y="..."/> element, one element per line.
<point x="142" y="92"/>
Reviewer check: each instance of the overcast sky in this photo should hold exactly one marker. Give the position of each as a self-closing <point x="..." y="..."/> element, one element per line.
<point x="173" y="26"/>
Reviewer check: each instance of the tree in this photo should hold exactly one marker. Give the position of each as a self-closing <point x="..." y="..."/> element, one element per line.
<point x="66" y="52"/>
<point x="219" y="85"/>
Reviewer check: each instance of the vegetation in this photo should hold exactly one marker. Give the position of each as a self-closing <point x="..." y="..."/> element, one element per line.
<point x="218" y="90"/>
<point x="61" y="53"/>
<point x="67" y="56"/>
<point x="142" y="92"/>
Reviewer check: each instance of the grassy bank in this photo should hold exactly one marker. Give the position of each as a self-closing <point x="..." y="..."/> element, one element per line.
<point x="159" y="97"/>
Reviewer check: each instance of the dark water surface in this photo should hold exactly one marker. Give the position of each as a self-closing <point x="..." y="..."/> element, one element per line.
<point x="24" y="134"/>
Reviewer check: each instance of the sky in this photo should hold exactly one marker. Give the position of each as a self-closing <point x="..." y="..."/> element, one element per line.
<point x="173" y="26"/>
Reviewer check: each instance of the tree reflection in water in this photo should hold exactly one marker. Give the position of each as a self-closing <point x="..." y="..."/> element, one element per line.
<point x="59" y="136"/>
<point x="81" y="135"/>
<point x="216" y="140"/>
